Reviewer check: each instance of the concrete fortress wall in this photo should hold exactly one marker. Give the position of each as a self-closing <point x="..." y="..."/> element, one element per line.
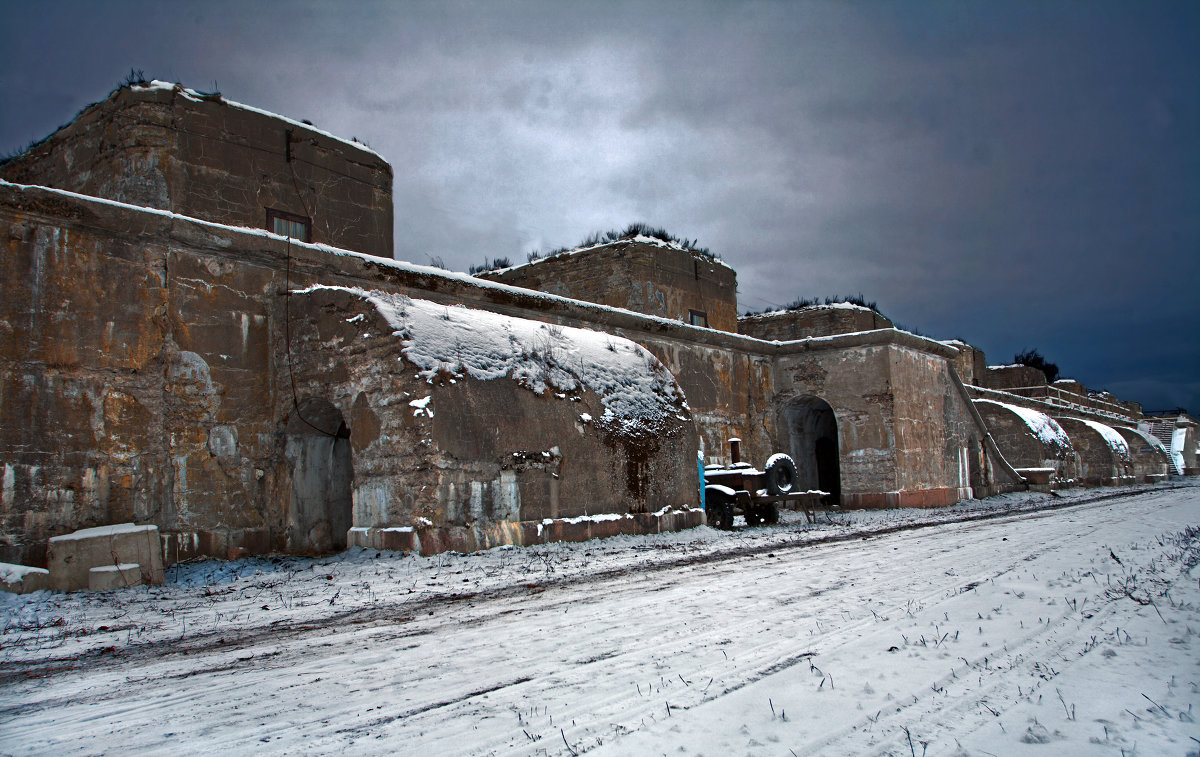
<point x="166" y="147"/>
<point x="146" y="373"/>
<point x="907" y="434"/>
<point x="445" y="447"/>
<point x="146" y="377"/>
<point x="1150" y="461"/>
<point x="1030" y="439"/>
<point x="1102" y="455"/>
<point x="970" y="362"/>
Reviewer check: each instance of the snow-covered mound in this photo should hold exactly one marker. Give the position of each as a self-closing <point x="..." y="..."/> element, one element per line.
<point x="1111" y="438"/>
<point x="1044" y="428"/>
<point x="637" y="391"/>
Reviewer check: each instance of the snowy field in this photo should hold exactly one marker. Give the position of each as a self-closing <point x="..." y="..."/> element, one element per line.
<point x="1020" y="625"/>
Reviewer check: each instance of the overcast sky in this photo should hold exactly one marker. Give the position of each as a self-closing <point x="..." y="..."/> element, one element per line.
<point x="1015" y="174"/>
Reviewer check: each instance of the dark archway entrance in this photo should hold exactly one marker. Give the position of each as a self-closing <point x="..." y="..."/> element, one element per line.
<point x="318" y="447"/>
<point x="812" y="435"/>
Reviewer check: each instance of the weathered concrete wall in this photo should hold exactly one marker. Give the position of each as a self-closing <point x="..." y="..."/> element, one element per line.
<point x="202" y="156"/>
<point x="818" y="320"/>
<point x="854" y="383"/>
<point x="474" y="451"/>
<point x="134" y="359"/>
<point x="938" y="446"/>
<point x="1096" y="460"/>
<point x="1150" y="461"/>
<point x="146" y="377"/>
<point x="906" y="432"/>
<point x="970" y="362"/>
<point x="1022" y="447"/>
<point x="728" y="391"/>
<point x="638" y="276"/>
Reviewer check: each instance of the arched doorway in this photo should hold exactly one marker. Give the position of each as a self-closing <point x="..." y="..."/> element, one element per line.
<point x="318" y="447"/>
<point x="812" y="435"/>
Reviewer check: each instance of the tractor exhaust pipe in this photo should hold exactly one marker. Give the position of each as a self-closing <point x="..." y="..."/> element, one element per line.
<point x="735" y="451"/>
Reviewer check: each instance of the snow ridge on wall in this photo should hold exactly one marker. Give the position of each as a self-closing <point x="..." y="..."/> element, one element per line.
<point x="1112" y="438"/>
<point x="1042" y="426"/>
<point x="637" y="391"/>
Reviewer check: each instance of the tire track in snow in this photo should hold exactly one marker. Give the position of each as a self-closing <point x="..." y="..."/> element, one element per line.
<point x="715" y="627"/>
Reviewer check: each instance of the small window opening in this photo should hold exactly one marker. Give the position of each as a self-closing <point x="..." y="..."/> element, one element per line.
<point x="289" y="225"/>
<point x="698" y="318"/>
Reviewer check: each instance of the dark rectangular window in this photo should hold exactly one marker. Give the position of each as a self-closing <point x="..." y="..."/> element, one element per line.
<point x="698" y="318"/>
<point x="289" y="225"/>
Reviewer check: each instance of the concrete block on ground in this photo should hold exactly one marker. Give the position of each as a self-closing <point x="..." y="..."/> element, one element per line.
<point x="108" y="577"/>
<point x="22" y="579"/>
<point x="71" y="557"/>
<point x="394" y="538"/>
<point x="1036" y="476"/>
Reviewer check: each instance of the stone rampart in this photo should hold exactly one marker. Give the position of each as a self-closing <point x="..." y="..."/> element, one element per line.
<point x="1102" y="455"/>
<point x="147" y="363"/>
<point x="1030" y="439"/>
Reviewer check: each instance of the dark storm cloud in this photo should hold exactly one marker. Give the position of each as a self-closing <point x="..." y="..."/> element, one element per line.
<point x="1014" y="174"/>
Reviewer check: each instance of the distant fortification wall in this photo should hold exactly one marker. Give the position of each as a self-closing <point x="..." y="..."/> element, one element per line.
<point x="645" y="276"/>
<point x="818" y="320"/>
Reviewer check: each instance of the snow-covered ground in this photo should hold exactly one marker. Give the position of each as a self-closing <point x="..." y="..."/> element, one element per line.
<point x="1022" y="624"/>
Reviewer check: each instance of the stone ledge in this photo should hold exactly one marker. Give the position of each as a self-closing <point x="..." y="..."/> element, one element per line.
<point x="435" y="540"/>
<point x="939" y="497"/>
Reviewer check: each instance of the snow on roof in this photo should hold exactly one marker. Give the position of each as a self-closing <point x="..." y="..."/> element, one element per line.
<point x="195" y="96"/>
<point x="1043" y="427"/>
<point x="956" y="343"/>
<point x="1114" y="440"/>
<point x="638" y="393"/>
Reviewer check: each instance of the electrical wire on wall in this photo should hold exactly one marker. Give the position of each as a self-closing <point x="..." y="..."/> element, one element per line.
<point x="287" y="292"/>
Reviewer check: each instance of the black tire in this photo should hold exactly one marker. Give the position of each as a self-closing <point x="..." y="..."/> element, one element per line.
<point x="781" y="475"/>
<point x="770" y="514"/>
<point x="718" y="509"/>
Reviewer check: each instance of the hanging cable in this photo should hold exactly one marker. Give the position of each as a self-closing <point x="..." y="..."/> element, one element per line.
<point x="287" y="291"/>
